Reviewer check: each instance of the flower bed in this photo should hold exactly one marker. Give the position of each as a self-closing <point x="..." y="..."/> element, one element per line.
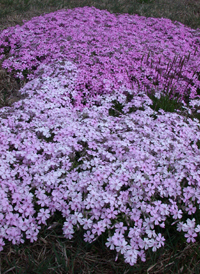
<point x="86" y="142"/>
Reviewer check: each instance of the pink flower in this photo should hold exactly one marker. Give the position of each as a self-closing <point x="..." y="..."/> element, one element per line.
<point x="142" y="256"/>
<point x="88" y="237"/>
<point x="160" y="240"/>
<point x="16" y="197"/>
<point x="32" y="232"/>
<point x="189" y="225"/>
<point x="76" y="218"/>
<point x="191" y="236"/>
<point x="110" y="243"/>
<point x="14" y="235"/>
<point x="120" y="228"/>
<point x="131" y="256"/>
<point x="87" y="223"/>
<point x="111" y="212"/>
<point x="98" y="228"/>
<point x="2" y="243"/>
<point x="68" y="230"/>
<point x="122" y="246"/>
<point x="43" y="215"/>
<point x="153" y="244"/>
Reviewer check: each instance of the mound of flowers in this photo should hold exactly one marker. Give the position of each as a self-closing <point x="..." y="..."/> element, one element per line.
<point x="68" y="148"/>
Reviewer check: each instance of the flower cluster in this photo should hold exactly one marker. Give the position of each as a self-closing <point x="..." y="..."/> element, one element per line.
<point x="61" y="149"/>
<point x="109" y="50"/>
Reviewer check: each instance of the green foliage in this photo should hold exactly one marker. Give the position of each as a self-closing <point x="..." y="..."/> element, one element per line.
<point x="165" y="102"/>
<point x="76" y="163"/>
<point x="116" y="109"/>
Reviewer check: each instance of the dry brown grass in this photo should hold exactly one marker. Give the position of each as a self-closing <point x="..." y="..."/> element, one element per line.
<point x="52" y="253"/>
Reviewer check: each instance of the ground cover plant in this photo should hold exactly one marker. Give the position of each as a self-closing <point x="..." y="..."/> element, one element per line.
<point x="106" y="139"/>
